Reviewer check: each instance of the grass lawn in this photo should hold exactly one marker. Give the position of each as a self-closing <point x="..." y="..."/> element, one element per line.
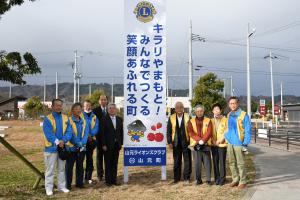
<point x="16" y="179"/>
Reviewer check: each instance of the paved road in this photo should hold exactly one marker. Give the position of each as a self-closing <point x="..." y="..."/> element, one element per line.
<point x="278" y="174"/>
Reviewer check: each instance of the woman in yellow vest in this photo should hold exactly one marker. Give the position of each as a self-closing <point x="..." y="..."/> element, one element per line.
<point x="218" y="149"/>
<point x="77" y="146"/>
<point x="200" y="130"/>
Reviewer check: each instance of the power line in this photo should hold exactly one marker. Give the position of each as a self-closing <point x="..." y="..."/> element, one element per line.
<point x="279" y="29"/>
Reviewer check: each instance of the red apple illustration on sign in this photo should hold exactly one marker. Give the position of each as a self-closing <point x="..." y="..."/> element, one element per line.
<point x="159" y="137"/>
<point x="151" y="137"/>
<point x="158" y="125"/>
<point x="153" y="128"/>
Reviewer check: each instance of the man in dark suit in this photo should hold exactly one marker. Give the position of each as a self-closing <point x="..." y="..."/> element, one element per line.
<point x="100" y="112"/>
<point x="178" y="139"/>
<point x="112" y="141"/>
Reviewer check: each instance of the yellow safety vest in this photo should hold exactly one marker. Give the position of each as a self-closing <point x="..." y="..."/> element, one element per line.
<point x="74" y="128"/>
<point x="218" y="133"/>
<point x="239" y="125"/>
<point x="53" y="124"/>
<point x="204" y="130"/>
<point x="173" y="122"/>
<point x="93" y="123"/>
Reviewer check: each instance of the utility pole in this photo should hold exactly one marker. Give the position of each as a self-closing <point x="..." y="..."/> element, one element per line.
<point x="190" y="64"/>
<point x="272" y="83"/>
<point x="231" y="86"/>
<point x="248" y="71"/>
<point x="75" y="74"/>
<point x="272" y="86"/>
<point x="192" y="37"/>
<point x="112" y="90"/>
<point x="90" y="90"/>
<point x="78" y="89"/>
<point x="271" y="57"/>
<point x="281" y="101"/>
<point x="224" y="90"/>
<point x="44" y="89"/>
<point x="56" y="85"/>
<point x="10" y="85"/>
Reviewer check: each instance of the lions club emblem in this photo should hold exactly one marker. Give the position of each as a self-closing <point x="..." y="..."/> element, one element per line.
<point x="145" y="11"/>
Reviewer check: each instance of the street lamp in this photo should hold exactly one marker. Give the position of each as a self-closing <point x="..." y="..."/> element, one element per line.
<point x="249" y="34"/>
<point x="272" y="82"/>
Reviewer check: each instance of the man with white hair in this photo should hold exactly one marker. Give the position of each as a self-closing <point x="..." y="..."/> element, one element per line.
<point x="200" y="131"/>
<point x="178" y="139"/>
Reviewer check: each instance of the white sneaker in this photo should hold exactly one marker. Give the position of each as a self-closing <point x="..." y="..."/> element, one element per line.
<point x="64" y="190"/>
<point x="90" y="182"/>
<point x="49" y="193"/>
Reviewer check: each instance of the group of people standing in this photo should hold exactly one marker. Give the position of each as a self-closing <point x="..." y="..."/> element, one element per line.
<point x="210" y="140"/>
<point x="71" y="140"/>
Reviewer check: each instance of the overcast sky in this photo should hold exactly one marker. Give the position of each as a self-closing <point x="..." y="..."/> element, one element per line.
<point x="53" y="29"/>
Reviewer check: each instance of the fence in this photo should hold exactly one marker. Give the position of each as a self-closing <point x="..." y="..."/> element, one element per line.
<point x="286" y="137"/>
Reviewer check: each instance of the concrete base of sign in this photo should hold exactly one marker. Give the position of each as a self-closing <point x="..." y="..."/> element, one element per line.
<point x="262" y="133"/>
<point x="125" y="172"/>
<point x="163" y="173"/>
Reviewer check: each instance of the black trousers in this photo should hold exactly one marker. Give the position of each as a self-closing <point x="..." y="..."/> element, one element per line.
<point x="78" y="158"/>
<point x="89" y="163"/>
<point x="219" y="161"/>
<point x="178" y="153"/>
<point x="111" y="157"/>
<point x="100" y="160"/>
<point x="205" y="158"/>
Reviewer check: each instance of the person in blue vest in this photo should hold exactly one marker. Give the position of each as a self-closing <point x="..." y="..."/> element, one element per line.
<point x="57" y="132"/>
<point x="93" y="122"/>
<point x="77" y="146"/>
<point x="237" y="135"/>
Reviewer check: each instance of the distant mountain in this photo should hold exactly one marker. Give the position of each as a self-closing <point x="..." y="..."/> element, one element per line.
<point x="66" y="92"/>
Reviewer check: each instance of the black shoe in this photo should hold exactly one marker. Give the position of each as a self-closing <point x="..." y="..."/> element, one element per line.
<point x="116" y="184"/>
<point x="80" y="186"/>
<point x="100" y="178"/>
<point x="199" y="182"/>
<point x="217" y="182"/>
<point x="209" y="183"/>
<point x="175" y="181"/>
<point x="108" y="184"/>
<point x="222" y="183"/>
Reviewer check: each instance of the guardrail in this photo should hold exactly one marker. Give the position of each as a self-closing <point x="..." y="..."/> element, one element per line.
<point x="282" y="136"/>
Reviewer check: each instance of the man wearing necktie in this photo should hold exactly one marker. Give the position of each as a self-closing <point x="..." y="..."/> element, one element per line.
<point x="100" y="112"/>
<point x="112" y="141"/>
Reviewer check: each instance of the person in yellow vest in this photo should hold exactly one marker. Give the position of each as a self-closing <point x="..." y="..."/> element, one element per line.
<point x="178" y="140"/>
<point x="77" y="146"/>
<point x="218" y="150"/>
<point x="237" y="135"/>
<point x="57" y="132"/>
<point x="200" y="131"/>
<point x="93" y="122"/>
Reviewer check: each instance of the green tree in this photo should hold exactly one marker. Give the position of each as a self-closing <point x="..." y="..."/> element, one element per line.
<point x="13" y="67"/>
<point x="208" y="92"/>
<point x="94" y="98"/>
<point x="254" y="107"/>
<point x="5" y="5"/>
<point x="269" y="106"/>
<point x="34" y="107"/>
